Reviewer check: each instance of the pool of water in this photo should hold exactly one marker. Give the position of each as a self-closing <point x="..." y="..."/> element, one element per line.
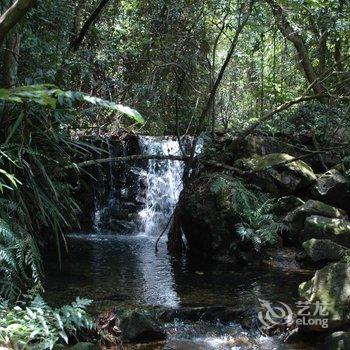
<point x="126" y="271"/>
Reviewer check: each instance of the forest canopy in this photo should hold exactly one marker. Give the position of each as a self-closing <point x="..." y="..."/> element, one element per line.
<point x="74" y="71"/>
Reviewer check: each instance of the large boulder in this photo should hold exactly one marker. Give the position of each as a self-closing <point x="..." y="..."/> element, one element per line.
<point x="332" y="187"/>
<point x="138" y="327"/>
<point x="208" y="219"/>
<point x="337" y="230"/>
<point x="257" y="145"/>
<point x="276" y="173"/>
<point x="296" y="218"/>
<point x="325" y="250"/>
<point x="330" y="287"/>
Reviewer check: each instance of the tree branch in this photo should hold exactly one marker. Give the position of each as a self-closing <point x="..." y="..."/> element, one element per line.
<point x="13" y="15"/>
<point x="88" y="23"/>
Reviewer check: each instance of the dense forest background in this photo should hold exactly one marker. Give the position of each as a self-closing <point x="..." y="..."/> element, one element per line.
<point x="77" y="69"/>
<point x="163" y="58"/>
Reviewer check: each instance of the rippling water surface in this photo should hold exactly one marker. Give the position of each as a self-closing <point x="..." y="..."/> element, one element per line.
<point x="126" y="271"/>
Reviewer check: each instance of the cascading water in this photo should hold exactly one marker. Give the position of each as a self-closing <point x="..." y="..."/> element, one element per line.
<point x="163" y="180"/>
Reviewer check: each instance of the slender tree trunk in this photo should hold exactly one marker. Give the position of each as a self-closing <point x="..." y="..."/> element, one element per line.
<point x="292" y="35"/>
<point x="175" y="242"/>
<point x="12" y="16"/>
<point x="86" y="26"/>
<point x="10" y="60"/>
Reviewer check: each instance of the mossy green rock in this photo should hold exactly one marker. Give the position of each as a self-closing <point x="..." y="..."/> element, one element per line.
<point x="325" y="250"/>
<point x="296" y="218"/>
<point x="337" y="230"/>
<point x="330" y="286"/>
<point x="208" y="219"/>
<point x="273" y="175"/>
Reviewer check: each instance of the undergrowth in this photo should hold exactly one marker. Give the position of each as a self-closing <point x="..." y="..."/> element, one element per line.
<point x="259" y="226"/>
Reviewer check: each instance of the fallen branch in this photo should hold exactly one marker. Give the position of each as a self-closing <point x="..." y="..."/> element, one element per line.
<point x="162" y="233"/>
<point x="134" y="157"/>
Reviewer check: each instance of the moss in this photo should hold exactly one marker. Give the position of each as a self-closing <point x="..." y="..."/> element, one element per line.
<point x="261" y="163"/>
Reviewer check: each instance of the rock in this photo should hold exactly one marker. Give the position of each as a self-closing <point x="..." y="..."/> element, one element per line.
<point x="280" y="179"/>
<point x="296" y="218"/>
<point x="325" y="250"/>
<point x="330" y="287"/>
<point x="208" y="219"/>
<point x="85" y="346"/>
<point x="285" y="204"/>
<point x="332" y="187"/>
<point x="140" y="328"/>
<point x="255" y="144"/>
<point x="337" y="230"/>
<point x="337" y="341"/>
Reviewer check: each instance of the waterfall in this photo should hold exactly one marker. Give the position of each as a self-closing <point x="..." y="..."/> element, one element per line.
<point x="163" y="181"/>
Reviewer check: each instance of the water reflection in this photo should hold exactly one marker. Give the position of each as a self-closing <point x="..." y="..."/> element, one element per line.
<point x="126" y="269"/>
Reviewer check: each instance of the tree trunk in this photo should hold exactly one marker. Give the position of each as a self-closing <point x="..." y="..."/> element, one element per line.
<point x="89" y="22"/>
<point x="292" y="35"/>
<point x="13" y="15"/>
<point x="10" y="60"/>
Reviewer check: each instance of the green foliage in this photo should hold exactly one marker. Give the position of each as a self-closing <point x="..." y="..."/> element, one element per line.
<point x="50" y="96"/>
<point x="258" y="227"/>
<point x="20" y="261"/>
<point x="34" y="324"/>
<point x="36" y="190"/>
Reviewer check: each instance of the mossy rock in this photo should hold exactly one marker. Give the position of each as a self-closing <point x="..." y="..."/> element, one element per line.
<point x="273" y="175"/>
<point x="332" y="187"/>
<point x="208" y="219"/>
<point x="325" y="250"/>
<point x="296" y="218"/>
<point x="330" y="286"/>
<point x="337" y="230"/>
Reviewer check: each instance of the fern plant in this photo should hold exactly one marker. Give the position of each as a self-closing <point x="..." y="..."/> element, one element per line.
<point x="258" y="226"/>
<point x="33" y="324"/>
<point x="36" y="192"/>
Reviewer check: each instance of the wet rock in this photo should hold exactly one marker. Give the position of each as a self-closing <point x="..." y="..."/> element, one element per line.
<point x="332" y="187"/>
<point x="337" y="341"/>
<point x="141" y="328"/>
<point x="337" y="230"/>
<point x="273" y="176"/>
<point x="325" y="250"/>
<point x="296" y="218"/>
<point x="330" y="287"/>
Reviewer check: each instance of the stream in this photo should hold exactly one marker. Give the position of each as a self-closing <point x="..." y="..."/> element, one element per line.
<point x="124" y="271"/>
